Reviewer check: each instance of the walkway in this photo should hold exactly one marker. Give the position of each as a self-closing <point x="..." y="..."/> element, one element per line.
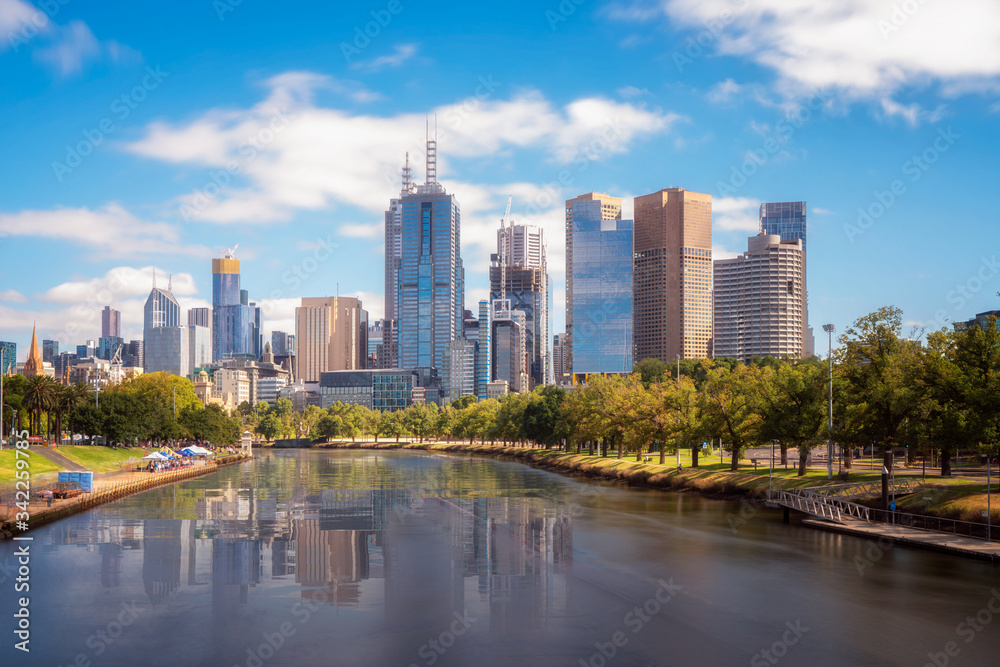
<point x="57" y="458"/>
<point x="954" y="544"/>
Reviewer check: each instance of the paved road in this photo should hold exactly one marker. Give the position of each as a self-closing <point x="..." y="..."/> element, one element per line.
<point x="57" y="458"/>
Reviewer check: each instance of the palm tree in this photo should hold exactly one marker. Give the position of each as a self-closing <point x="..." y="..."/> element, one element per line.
<point x="38" y="398"/>
<point x="68" y="398"/>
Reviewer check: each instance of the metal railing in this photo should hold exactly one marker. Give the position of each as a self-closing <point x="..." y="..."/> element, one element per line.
<point x="863" y="489"/>
<point x="936" y="524"/>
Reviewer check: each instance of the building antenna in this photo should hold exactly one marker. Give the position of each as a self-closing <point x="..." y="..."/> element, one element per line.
<point x="170" y="282"/>
<point x="503" y="255"/>
<point x="154" y="277"/>
<point x="431" y="152"/>
<point x="407" y="176"/>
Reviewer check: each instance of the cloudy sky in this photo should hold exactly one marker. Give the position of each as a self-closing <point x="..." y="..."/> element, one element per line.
<point x="145" y="138"/>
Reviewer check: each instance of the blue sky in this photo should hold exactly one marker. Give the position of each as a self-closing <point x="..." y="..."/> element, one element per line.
<point x="142" y="137"/>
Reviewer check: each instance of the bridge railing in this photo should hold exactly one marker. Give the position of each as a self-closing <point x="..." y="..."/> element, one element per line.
<point x="937" y="524"/>
<point x="858" y="489"/>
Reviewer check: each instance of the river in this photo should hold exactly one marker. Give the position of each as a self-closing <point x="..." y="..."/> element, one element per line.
<point x="400" y="558"/>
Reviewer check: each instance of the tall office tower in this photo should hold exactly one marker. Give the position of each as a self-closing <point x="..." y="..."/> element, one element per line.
<point x="50" y="351"/>
<point x="8" y="357"/>
<point x="375" y="341"/>
<point x="760" y="300"/>
<point x="279" y="343"/>
<point x="108" y="345"/>
<point x="519" y="277"/>
<point x="788" y="220"/>
<point x="609" y="208"/>
<point x="672" y="279"/>
<point x="393" y="261"/>
<point x="509" y="357"/>
<point x="235" y="321"/>
<point x="161" y="311"/>
<point x="201" y="317"/>
<point x="601" y="294"/>
<point x="111" y="322"/>
<point x="132" y="354"/>
<point x="430" y="291"/>
<point x="328" y="336"/>
<point x="458" y="370"/>
<point x="559" y="359"/>
<point x="483" y="354"/>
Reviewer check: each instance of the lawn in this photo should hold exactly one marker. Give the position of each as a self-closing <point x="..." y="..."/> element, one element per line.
<point x="99" y="459"/>
<point x="37" y="465"/>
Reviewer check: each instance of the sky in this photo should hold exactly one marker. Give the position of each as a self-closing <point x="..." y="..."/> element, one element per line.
<point x="143" y="139"/>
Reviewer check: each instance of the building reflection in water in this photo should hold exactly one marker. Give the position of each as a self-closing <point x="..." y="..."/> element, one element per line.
<point x="433" y="553"/>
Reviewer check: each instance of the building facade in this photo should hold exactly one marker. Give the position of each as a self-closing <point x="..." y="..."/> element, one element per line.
<point x="559" y="374"/>
<point x="232" y="382"/>
<point x="788" y="220"/>
<point x="760" y="303"/>
<point x="235" y="319"/>
<point x="111" y="322"/>
<point x="519" y="277"/>
<point x="108" y="345"/>
<point x="376" y="389"/>
<point x="331" y="335"/>
<point x="509" y="359"/>
<point x="201" y="317"/>
<point x="608" y="208"/>
<point x="484" y="342"/>
<point x="50" y="351"/>
<point x="672" y="279"/>
<point x="8" y="357"/>
<point x="601" y="292"/>
<point x="430" y="287"/>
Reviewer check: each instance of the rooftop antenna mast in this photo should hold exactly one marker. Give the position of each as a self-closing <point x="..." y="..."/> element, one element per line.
<point x="407" y="176"/>
<point x="503" y="255"/>
<point x="431" y="152"/>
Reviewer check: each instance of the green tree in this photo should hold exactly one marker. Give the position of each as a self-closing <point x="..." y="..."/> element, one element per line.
<point x="793" y="404"/>
<point x="729" y="405"/>
<point x="650" y="370"/>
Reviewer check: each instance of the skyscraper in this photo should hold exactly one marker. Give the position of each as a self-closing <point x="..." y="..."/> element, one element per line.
<point x="483" y="371"/>
<point x="8" y="360"/>
<point x="201" y="317"/>
<point x="523" y="274"/>
<point x="610" y="208"/>
<point x="235" y="321"/>
<point x="330" y="335"/>
<point x="601" y="291"/>
<point x="111" y="322"/>
<point x="760" y="300"/>
<point x="673" y="275"/>
<point x="788" y="220"/>
<point x="50" y="351"/>
<point x="389" y="356"/>
<point x="559" y="374"/>
<point x="430" y="290"/>
<point x="163" y="342"/>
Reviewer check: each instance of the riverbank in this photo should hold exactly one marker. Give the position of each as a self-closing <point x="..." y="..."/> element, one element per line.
<point x="110" y="489"/>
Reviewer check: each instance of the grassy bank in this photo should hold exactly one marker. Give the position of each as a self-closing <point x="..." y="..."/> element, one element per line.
<point x="955" y="498"/>
<point x="37" y="466"/>
<point x="100" y="459"/>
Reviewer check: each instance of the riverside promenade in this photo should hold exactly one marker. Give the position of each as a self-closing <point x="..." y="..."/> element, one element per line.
<point x="913" y="537"/>
<point x="110" y="487"/>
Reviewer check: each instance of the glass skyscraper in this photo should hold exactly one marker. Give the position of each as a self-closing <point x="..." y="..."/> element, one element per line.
<point x="430" y="290"/>
<point x="601" y="292"/>
<point x="785" y="219"/>
<point x="235" y="321"/>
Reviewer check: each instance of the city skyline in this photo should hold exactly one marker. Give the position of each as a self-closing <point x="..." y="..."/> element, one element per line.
<point x="669" y="101"/>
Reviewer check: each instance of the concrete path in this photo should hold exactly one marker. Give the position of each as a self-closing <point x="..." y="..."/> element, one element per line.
<point x="57" y="458"/>
<point x="914" y="537"/>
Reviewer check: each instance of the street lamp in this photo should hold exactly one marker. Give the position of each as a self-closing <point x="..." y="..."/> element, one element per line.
<point x="678" y="410"/>
<point x="829" y="329"/>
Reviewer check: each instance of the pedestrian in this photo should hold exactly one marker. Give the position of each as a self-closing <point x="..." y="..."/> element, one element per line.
<point x="48" y="496"/>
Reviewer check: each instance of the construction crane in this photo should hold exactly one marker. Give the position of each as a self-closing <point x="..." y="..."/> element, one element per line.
<point x="503" y="255"/>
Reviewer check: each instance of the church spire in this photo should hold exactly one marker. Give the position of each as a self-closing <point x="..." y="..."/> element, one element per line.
<point x="33" y="365"/>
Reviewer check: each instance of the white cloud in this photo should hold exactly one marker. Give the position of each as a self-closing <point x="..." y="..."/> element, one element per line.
<point x="724" y="91"/>
<point x="297" y="166"/>
<point x="13" y="296"/>
<point x="121" y="282"/>
<point x="736" y="213"/>
<point x="866" y="48"/>
<point x="372" y="302"/>
<point x="400" y="55"/>
<point x="19" y="21"/>
<point x="73" y="46"/>
<point x="820" y="211"/>
<point x="111" y="230"/>
<point x="631" y="91"/>
<point x="361" y="231"/>
<point x="721" y="252"/>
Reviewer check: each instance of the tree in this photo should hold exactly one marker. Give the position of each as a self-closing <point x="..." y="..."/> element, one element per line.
<point x="885" y="374"/>
<point x="269" y="426"/>
<point x="729" y="404"/>
<point x="651" y="370"/>
<point x="39" y="397"/>
<point x="793" y="404"/>
<point x="543" y="415"/>
<point x="283" y="408"/>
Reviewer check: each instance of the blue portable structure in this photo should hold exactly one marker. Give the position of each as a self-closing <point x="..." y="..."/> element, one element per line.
<point x="84" y="479"/>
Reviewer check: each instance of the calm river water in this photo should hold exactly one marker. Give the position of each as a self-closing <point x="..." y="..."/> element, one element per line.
<point x="396" y="558"/>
